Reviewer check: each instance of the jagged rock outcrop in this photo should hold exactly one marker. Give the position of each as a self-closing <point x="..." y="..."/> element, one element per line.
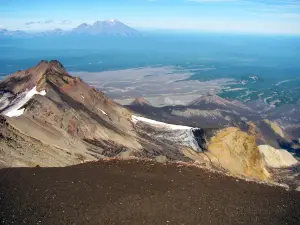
<point x="237" y="152"/>
<point x="276" y="158"/>
<point x="275" y="127"/>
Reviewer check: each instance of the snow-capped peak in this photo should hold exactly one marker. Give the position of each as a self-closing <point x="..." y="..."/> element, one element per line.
<point x="113" y="21"/>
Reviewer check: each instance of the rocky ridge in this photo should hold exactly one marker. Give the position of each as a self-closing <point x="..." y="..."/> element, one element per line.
<point x="67" y="122"/>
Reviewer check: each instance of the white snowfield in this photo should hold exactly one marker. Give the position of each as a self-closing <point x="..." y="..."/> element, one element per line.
<point x="276" y="158"/>
<point x="16" y="109"/>
<point x="158" y="124"/>
<point x="181" y="134"/>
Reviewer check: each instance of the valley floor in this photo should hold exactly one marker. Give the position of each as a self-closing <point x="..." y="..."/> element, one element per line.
<point x="139" y="192"/>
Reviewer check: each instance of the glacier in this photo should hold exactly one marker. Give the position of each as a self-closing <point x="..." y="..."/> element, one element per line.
<point x="181" y="134"/>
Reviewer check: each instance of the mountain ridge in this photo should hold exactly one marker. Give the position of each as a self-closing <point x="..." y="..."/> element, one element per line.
<point x="51" y="118"/>
<point x="107" y="27"/>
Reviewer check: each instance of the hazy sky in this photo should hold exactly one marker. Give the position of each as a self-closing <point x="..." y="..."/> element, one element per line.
<point x="255" y="16"/>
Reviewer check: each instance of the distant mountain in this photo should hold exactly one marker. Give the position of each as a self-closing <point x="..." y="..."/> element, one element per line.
<point x="279" y="128"/>
<point x="5" y="32"/>
<point x="140" y="102"/>
<point x="82" y="28"/>
<point x="212" y="102"/>
<point x="2" y="30"/>
<point x="103" y="28"/>
<point x="107" y="27"/>
<point x="54" y="32"/>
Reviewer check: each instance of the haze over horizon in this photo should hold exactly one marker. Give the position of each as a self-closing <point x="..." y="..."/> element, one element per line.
<point x="150" y="112"/>
<point x="243" y="16"/>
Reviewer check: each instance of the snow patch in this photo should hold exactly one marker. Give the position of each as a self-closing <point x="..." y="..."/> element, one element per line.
<point x="253" y="77"/>
<point x="136" y="119"/>
<point x="236" y="89"/>
<point x="181" y="134"/>
<point x="276" y="158"/>
<point x="104" y="113"/>
<point x="15" y="109"/>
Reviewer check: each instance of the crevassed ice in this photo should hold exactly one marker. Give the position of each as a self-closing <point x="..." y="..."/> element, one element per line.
<point x="15" y="109"/>
<point x="4" y="100"/>
<point x="181" y="134"/>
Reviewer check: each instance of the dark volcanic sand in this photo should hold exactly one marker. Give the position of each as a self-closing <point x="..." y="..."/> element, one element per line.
<point x="131" y="192"/>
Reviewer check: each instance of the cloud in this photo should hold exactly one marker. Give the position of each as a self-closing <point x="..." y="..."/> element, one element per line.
<point x="261" y="6"/>
<point x="38" y="22"/>
<point x="30" y="23"/>
<point x="62" y="22"/>
<point x="65" y="22"/>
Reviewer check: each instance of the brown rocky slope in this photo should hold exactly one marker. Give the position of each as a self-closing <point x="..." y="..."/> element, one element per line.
<point x="69" y="117"/>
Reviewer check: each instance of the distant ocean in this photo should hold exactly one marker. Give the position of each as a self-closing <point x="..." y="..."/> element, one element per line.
<point x="265" y="67"/>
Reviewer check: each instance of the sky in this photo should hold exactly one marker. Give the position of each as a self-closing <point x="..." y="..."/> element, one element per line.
<point x="230" y="16"/>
